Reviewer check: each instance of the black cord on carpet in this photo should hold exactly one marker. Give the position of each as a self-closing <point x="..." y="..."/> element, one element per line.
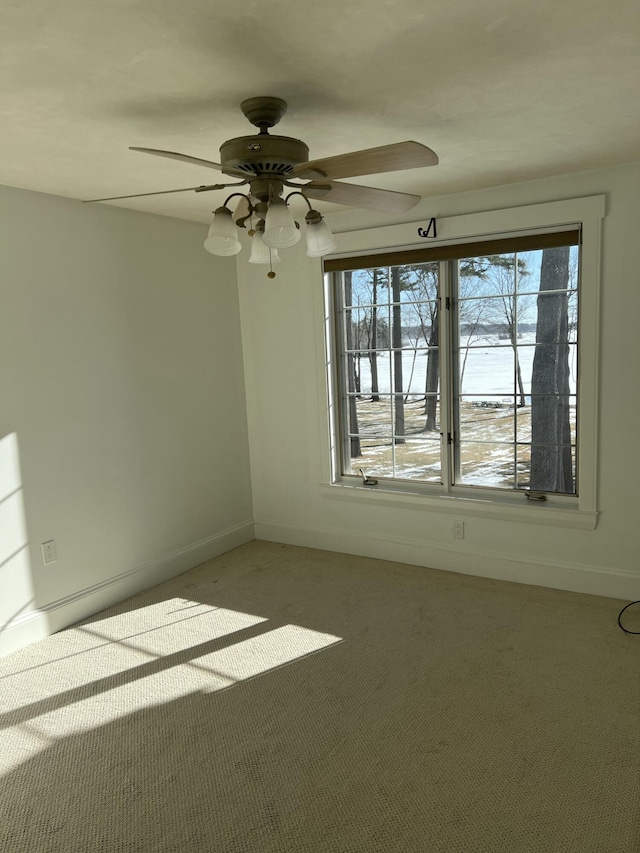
<point x="626" y="630"/>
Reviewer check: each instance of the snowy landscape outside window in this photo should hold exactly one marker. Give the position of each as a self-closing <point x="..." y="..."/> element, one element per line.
<point x="461" y="369"/>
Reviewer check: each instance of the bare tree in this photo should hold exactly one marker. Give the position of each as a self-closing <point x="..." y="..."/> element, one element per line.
<point x="379" y="277"/>
<point x="472" y="314"/>
<point x="355" y="448"/>
<point x="425" y="284"/>
<point x="422" y="281"/>
<point x="551" y="464"/>
<point x="368" y="329"/>
<point x="573" y="296"/>
<point x="505" y="272"/>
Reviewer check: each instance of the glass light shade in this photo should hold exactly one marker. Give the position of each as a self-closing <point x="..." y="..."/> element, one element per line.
<point x="223" y="237"/>
<point x="319" y="239"/>
<point x="260" y="252"/>
<point x="280" y="230"/>
<point x="242" y="209"/>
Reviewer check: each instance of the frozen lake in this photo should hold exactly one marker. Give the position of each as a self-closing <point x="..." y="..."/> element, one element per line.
<point x="488" y="369"/>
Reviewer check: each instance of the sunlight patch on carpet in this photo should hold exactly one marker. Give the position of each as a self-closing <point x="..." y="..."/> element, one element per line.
<point x="74" y="693"/>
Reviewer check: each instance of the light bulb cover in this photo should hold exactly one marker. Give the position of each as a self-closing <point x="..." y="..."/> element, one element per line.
<point x="222" y="238"/>
<point x="319" y="238"/>
<point x="261" y="253"/>
<point x="280" y="229"/>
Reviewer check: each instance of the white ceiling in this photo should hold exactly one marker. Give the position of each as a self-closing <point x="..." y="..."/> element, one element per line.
<point x="502" y="90"/>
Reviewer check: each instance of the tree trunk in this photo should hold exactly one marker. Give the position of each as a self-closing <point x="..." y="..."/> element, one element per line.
<point x="373" y="356"/>
<point x="355" y="448"/>
<point x="523" y="399"/>
<point x="396" y="343"/>
<point x="513" y="334"/>
<point x="551" y="468"/>
<point x="433" y="374"/>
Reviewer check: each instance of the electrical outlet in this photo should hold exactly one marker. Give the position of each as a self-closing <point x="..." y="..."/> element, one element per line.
<point x="458" y="529"/>
<point x="49" y="552"/>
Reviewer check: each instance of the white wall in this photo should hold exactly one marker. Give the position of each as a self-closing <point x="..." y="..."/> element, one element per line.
<point x="123" y="431"/>
<point x="282" y="330"/>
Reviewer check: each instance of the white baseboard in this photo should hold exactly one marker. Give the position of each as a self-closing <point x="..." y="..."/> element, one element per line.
<point x="592" y="580"/>
<point x="56" y="615"/>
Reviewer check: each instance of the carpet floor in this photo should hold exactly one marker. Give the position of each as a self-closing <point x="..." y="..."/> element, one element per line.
<point x="287" y="699"/>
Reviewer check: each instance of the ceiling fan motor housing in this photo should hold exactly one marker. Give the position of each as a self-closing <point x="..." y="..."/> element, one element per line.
<point x="263" y="155"/>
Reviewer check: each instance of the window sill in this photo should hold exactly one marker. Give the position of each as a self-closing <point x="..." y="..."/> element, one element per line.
<point x="500" y="510"/>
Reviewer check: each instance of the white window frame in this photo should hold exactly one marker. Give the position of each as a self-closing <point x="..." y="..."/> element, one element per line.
<point x="558" y="510"/>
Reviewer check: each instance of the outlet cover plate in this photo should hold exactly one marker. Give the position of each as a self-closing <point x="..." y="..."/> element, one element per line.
<point x="49" y="552"/>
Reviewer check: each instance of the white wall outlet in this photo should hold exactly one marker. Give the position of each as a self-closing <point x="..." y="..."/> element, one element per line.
<point x="458" y="529"/>
<point x="49" y="552"/>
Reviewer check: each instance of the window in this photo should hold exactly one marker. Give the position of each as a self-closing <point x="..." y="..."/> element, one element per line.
<point x="455" y="368"/>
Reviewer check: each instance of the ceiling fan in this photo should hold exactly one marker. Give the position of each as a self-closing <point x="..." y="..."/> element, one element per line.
<point x="269" y="163"/>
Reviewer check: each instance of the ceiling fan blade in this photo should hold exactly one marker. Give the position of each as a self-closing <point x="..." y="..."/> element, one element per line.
<point x="357" y="196"/>
<point x="200" y="189"/>
<point x="186" y="158"/>
<point x="371" y="161"/>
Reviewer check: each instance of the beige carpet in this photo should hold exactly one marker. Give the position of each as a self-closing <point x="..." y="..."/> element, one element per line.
<point x="286" y="699"/>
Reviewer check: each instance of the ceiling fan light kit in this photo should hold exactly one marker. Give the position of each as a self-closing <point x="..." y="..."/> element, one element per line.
<point x="222" y="238"/>
<point x="260" y="252"/>
<point x="320" y="240"/>
<point x="280" y="229"/>
<point x="268" y="164"/>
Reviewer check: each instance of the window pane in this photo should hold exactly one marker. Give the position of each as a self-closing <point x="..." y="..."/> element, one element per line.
<point x="419" y="324"/>
<point x="369" y="287"/>
<point x="523" y="467"/>
<point x="551" y="312"/>
<point x="523" y="416"/>
<point x="486" y="321"/>
<point x="553" y="469"/>
<point x="421" y="414"/>
<point x="373" y="418"/>
<point x="517" y="368"/>
<point x="375" y="459"/>
<point x="391" y="372"/>
<point x="487" y="371"/>
<point x="409" y="369"/>
<point x="418" y="459"/>
<point x="371" y="373"/>
<point x="555" y="367"/>
<point x="524" y="454"/>
<point x="367" y="328"/>
<point x="532" y="278"/>
<point x="487" y="276"/>
<point x="407" y="458"/>
<point x="487" y="464"/>
<point x="553" y="420"/>
<point x="487" y="420"/>
<point x="420" y="281"/>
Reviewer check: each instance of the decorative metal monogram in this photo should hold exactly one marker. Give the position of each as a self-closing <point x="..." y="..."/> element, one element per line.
<point x="431" y="229"/>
